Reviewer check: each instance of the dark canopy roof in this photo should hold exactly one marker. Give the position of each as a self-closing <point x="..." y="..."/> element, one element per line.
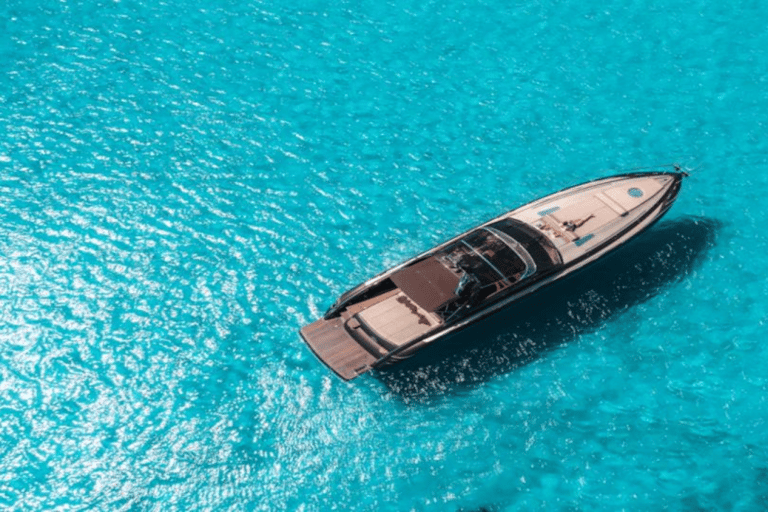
<point x="428" y="283"/>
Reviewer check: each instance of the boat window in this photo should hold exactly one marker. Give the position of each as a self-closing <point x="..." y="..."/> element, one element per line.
<point x="518" y="250"/>
<point x="543" y="252"/>
<point x="488" y="257"/>
<point x="491" y="259"/>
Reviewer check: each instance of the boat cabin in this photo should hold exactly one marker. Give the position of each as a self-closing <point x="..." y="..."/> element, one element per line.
<point x="480" y="268"/>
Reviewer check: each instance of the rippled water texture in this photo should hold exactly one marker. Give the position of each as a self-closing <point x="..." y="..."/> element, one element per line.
<point x="184" y="185"/>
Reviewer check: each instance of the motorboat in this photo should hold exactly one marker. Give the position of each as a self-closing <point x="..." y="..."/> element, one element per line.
<point x="480" y="272"/>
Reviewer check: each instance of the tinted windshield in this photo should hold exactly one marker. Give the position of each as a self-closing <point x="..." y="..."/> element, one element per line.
<point x="536" y="244"/>
<point x="489" y="256"/>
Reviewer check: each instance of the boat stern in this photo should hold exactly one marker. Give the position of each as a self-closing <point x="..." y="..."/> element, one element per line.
<point x="330" y="342"/>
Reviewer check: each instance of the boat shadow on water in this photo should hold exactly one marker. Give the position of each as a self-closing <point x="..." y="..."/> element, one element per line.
<point x="557" y="314"/>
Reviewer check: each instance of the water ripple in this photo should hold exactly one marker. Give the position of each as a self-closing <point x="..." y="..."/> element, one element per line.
<point x="180" y="193"/>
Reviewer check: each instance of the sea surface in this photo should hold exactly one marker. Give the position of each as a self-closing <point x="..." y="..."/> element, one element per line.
<point x="183" y="185"/>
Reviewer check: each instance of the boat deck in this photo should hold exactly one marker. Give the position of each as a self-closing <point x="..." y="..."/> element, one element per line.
<point x="336" y="349"/>
<point x="575" y="223"/>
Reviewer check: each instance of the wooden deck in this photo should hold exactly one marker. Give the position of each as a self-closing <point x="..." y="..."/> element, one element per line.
<point x="336" y="349"/>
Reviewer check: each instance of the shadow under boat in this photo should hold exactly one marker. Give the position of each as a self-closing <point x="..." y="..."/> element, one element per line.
<point x="558" y="313"/>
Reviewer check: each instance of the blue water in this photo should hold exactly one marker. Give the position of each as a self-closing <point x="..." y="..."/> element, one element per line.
<point x="183" y="185"/>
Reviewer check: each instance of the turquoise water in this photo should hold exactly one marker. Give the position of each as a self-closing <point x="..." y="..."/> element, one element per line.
<point x="185" y="184"/>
